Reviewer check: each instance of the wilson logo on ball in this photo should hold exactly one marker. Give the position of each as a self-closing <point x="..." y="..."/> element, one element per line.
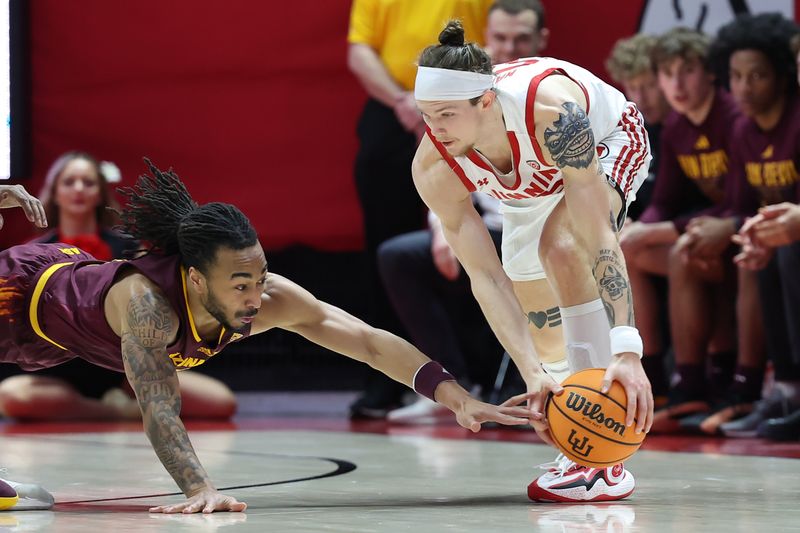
<point x="594" y="412"/>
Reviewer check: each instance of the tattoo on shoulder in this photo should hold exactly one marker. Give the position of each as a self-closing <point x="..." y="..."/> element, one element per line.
<point x="571" y="140"/>
<point x="149" y="317"/>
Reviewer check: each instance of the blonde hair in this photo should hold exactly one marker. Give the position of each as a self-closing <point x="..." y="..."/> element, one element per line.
<point x="630" y="57"/>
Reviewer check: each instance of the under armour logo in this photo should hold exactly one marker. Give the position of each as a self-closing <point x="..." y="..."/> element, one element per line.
<point x="579" y="445"/>
<point x="483" y="182"/>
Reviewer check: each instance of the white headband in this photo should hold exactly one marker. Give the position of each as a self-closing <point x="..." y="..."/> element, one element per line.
<point x="434" y="84"/>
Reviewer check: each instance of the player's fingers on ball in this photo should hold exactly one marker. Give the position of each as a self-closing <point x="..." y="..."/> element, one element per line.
<point x="632" y="406"/>
<point x="537" y="403"/>
<point x="641" y="415"/>
<point x="650" y="409"/>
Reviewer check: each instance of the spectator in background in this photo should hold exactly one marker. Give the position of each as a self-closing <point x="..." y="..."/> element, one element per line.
<point x="694" y="129"/>
<point x="711" y="302"/>
<point x="515" y="29"/>
<point x="80" y="207"/>
<point x="630" y="66"/>
<point x="753" y="54"/>
<point x="427" y="286"/>
<point x="385" y="39"/>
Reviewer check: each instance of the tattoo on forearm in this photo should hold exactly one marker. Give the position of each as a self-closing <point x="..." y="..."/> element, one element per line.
<point x="154" y="380"/>
<point x="609" y="271"/>
<point x="613" y="220"/>
<point x="571" y="140"/>
<point x="550" y="318"/>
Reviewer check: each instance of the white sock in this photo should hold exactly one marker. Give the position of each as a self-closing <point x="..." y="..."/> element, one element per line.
<point x="558" y="370"/>
<point x="586" y="332"/>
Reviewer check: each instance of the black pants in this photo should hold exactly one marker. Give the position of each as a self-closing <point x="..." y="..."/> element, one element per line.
<point x="779" y="288"/>
<point x="390" y="206"/>
<point x="442" y="316"/>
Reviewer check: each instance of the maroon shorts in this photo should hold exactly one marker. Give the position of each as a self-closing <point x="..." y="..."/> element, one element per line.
<point x="20" y="270"/>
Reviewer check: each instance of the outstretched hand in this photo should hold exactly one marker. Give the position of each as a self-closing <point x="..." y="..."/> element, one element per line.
<point x="512" y="412"/>
<point x="206" y="501"/>
<point x="17" y="196"/>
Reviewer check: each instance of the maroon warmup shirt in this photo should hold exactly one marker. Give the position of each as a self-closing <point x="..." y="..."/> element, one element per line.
<point x="764" y="165"/>
<point x="51" y="308"/>
<point x="693" y="165"/>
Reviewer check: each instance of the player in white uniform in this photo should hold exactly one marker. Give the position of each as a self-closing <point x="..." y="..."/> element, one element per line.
<point x="565" y="154"/>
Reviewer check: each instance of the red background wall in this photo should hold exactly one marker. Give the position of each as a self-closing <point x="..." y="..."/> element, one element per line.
<point x="250" y="101"/>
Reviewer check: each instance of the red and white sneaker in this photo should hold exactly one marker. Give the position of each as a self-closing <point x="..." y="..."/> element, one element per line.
<point x="566" y="481"/>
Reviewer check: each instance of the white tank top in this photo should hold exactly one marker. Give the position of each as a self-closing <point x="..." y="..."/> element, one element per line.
<point x="531" y="177"/>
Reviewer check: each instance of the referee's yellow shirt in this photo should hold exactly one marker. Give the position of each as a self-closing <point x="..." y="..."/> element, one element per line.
<point x="398" y="30"/>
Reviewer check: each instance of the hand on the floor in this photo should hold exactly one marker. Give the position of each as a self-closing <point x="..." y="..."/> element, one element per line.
<point x="207" y="501"/>
<point x="17" y="196"/>
<point x="509" y="413"/>
<point x="540" y="385"/>
<point x="627" y="369"/>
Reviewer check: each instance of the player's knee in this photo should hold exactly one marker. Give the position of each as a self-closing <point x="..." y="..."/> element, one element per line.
<point x="675" y="259"/>
<point x="559" y="252"/>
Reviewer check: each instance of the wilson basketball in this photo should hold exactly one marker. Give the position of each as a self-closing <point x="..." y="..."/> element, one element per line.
<point x="589" y="426"/>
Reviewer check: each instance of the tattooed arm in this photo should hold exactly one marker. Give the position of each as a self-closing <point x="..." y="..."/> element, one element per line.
<point x="564" y="131"/>
<point x="147" y="325"/>
<point x="465" y="231"/>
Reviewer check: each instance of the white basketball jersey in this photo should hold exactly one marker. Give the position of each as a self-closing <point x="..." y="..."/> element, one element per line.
<point x="516" y="84"/>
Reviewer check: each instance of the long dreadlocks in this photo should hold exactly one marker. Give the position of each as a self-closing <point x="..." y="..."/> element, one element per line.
<point x="161" y="212"/>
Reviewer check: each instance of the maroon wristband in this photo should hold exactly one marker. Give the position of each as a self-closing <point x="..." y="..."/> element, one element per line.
<point x="428" y="377"/>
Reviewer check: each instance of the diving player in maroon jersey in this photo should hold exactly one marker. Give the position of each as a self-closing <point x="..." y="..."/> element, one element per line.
<point x="200" y="287"/>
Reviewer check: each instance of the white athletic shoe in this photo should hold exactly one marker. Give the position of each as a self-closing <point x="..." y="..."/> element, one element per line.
<point x="566" y="481"/>
<point x="422" y="410"/>
<point x="28" y="497"/>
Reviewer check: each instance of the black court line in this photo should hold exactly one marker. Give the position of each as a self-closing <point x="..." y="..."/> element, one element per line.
<point x="342" y="467"/>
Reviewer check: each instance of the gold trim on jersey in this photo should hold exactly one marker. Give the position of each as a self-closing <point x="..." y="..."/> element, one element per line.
<point x="37" y="293"/>
<point x="189" y="311"/>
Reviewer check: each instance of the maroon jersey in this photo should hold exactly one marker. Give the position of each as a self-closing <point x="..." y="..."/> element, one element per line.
<point x="764" y="166"/>
<point x="52" y="303"/>
<point x="693" y="167"/>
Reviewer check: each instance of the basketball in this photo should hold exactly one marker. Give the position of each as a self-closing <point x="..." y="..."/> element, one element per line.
<point x="589" y="426"/>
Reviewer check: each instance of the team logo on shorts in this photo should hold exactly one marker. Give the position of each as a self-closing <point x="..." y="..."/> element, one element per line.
<point x="602" y="150"/>
<point x="534" y="164"/>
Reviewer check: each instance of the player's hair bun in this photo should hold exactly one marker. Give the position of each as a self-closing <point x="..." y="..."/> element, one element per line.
<point x="452" y="34"/>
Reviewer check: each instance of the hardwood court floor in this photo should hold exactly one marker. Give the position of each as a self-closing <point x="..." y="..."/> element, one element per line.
<point x="337" y="476"/>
